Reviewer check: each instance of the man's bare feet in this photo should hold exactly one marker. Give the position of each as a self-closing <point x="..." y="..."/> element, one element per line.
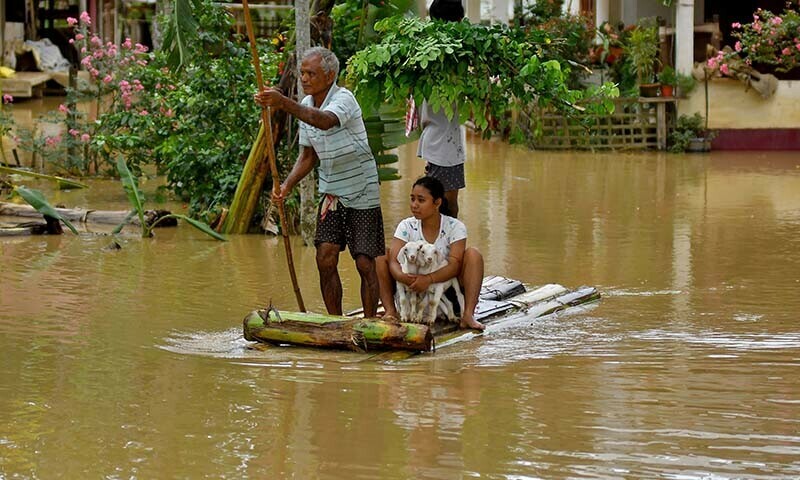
<point x="390" y="316"/>
<point x="470" y="322"/>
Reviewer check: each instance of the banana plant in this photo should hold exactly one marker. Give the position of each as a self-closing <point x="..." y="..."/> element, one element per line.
<point x="37" y="201"/>
<point x="130" y="184"/>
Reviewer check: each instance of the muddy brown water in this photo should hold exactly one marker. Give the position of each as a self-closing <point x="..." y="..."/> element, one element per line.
<point x="130" y="364"/>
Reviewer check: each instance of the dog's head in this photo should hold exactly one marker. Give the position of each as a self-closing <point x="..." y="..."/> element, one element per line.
<point x="429" y="255"/>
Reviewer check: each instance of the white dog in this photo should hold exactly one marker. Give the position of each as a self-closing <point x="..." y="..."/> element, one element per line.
<point x="407" y="299"/>
<point x="429" y="260"/>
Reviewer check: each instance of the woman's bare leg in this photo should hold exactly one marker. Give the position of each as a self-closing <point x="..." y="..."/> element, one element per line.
<point x="452" y="202"/>
<point x="386" y="286"/>
<point x="471" y="278"/>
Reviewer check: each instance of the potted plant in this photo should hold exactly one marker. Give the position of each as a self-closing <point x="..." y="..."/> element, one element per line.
<point x="668" y="79"/>
<point x="642" y="49"/>
<point x="691" y="134"/>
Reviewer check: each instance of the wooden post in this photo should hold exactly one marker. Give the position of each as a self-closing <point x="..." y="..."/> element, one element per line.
<point x="266" y="121"/>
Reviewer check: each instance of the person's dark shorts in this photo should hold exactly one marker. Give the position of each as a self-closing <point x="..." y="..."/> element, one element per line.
<point x="359" y="230"/>
<point x="451" y="177"/>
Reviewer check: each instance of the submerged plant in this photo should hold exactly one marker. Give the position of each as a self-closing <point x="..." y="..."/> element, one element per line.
<point x="130" y="184"/>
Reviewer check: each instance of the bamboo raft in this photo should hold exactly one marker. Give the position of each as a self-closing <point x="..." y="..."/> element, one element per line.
<point x="501" y="300"/>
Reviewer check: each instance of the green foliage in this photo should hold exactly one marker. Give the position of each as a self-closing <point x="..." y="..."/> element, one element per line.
<point x="539" y="11"/>
<point x="687" y="129"/>
<point x="685" y="83"/>
<point x="37" y="201"/>
<point x="354" y="21"/>
<point x="642" y="47"/>
<point x="667" y="76"/>
<point x="181" y="31"/>
<point x="201" y="120"/>
<point x="488" y="71"/>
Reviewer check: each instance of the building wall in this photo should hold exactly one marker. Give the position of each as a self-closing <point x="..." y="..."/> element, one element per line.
<point x="744" y="120"/>
<point x="731" y="107"/>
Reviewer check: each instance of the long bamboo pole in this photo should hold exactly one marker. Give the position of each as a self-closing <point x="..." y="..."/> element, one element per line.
<point x="266" y="120"/>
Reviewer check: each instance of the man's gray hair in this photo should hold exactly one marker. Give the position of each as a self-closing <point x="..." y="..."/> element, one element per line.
<point x="328" y="59"/>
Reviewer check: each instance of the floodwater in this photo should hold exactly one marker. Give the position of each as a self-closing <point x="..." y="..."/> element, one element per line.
<point x="130" y="363"/>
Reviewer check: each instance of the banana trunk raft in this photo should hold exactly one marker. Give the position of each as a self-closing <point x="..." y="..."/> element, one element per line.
<point x="501" y="300"/>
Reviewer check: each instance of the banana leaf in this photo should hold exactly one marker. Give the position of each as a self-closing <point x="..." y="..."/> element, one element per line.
<point x="200" y="226"/>
<point x="386" y="159"/>
<point x="37" y="201"/>
<point x="129" y="183"/>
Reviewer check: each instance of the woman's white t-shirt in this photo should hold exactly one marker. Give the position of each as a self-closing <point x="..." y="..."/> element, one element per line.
<point x="451" y="230"/>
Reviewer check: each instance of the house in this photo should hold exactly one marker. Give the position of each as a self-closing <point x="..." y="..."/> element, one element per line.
<point x="743" y="119"/>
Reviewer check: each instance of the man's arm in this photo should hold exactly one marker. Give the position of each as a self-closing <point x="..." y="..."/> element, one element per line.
<point x="321" y="119"/>
<point x="305" y="163"/>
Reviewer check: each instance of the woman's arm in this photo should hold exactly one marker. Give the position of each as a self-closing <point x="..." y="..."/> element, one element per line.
<point x="453" y="267"/>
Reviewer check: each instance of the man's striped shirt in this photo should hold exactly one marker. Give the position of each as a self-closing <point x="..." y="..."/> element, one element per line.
<point x="347" y="168"/>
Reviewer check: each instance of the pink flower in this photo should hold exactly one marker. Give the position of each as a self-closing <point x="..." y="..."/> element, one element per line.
<point x="738" y="46"/>
<point x="786" y="51"/>
<point x="724" y="69"/>
<point x="712" y="62"/>
<point x="72" y="21"/>
<point x="108" y="79"/>
<point x="127" y="44"/>
<point x="777" y="20"/>
<point x="63" y="108"/>
<point x="797" y="46"/>
<point x="74" y="132"/>
<point x="85" y="137"/>
<point x="86" y="18"/>
<point x="7" y="98"/>
<point x="79" y="36"/>
<point x="736" y="25"/>
<point x="144" y="112"/>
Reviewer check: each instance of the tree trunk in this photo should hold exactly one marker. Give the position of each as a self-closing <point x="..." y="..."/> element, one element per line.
<point x="110" y="217"/>
<point x="331" y="331"/>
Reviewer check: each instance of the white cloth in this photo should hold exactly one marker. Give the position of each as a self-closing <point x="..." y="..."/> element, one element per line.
<point x="47" y="55"/>
<point x="450" y="231"/>
<point x="442" y="140"/>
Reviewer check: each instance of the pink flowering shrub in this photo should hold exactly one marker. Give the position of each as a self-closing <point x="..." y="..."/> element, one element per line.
<point x="116" y="91"/>
<point x="769" y="39"/>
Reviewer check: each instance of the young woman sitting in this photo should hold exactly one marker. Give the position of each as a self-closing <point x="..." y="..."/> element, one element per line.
<point x="431" y="223"/>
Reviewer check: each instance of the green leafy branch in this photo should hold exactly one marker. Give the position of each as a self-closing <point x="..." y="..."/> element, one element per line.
<point x="488" y="72"/>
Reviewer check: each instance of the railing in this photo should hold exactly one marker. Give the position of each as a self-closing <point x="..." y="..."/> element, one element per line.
<point x="636" y="124"/>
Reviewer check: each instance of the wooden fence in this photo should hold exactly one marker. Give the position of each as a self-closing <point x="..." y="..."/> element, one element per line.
<point x="636" y="124"/>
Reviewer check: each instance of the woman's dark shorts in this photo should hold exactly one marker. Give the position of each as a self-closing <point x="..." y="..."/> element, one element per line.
<point x="451" y="177"/>
<point x="360" y="230"/>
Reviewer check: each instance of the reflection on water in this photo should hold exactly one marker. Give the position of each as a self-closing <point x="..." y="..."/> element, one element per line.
<point x="130" y="363"/>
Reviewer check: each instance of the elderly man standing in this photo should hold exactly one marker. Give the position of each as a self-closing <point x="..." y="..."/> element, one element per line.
<point x="332" y="134"/>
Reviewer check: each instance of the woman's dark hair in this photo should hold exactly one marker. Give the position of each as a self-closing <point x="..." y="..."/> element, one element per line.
<point x="447" y="10"/>
<point x="436" y="189"/>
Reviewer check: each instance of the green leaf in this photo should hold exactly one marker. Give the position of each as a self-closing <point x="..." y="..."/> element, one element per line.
<point x="37" y="201"/>
<point x="124" y="222"/>
<point x="129" y="184"/>
<point x="202" y="226"/>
